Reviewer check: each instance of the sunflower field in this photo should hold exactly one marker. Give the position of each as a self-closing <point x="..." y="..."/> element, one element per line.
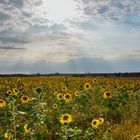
<point x="69" y="108"/>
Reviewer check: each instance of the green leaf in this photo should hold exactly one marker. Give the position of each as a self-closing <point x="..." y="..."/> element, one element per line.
<point x="20" y="129"/>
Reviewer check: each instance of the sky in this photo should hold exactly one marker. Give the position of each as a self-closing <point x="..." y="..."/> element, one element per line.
<point x="69" y="36"/>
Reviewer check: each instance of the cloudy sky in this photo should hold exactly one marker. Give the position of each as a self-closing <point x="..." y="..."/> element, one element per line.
<point x="48" y="36"/>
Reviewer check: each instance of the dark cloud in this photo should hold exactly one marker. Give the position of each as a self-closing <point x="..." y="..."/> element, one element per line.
<point x="103" y="9"/>
<point x="16" y="3"/>
<point x="11" y="48"/>
<point x="15" y="39"/>
<point x="3" y="16"/>
<point x="113" y="10"/>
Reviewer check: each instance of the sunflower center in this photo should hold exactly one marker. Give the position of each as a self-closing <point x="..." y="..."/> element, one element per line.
<point x="67" y="96"/>
<point x="94" y="122"/>
<point x="65" y="118"/>
<point x="1" y="101"/>
<point x="60" y="96"/>
<point x="25" y="98"/>
<point x="107" y="94"/>
<point x="87" y="86"/>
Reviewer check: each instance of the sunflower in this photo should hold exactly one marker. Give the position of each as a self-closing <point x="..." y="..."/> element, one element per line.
<point x="131" y="89"/>
<point x="107" y="95"/>
<point x="15" y="91"/>
<point x="55" y="88"/>
<point x="2" y="103"/>
<point x="94" y="80"/>
<point x="25" y="99"/>
<point x="60" y="96"/>
<point x="67" y="97"/>
<point x="65" y="118"/>
<point x="101" y="120"/>
<point x="64" y="88"/>
<point x="7" y="135"/>
<point x="65" y="78"/>
<point x="87" y="86"/>
<point x="95" y="123"/>
<point x="55" y="93"/>
<point x="9" y="92"/>
<point x="19" y="80"/>
<point x="76" y="93"/>
<point x="67" y="90"/>
<point x="54" y="106"/>
<point x="38" y="90"/>
<point x="26" y="129"/>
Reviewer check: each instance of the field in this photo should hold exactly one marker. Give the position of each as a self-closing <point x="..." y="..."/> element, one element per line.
<point x="69" y="108"/>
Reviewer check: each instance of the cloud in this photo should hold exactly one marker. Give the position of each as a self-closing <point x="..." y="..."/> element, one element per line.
<point x="10" y="48"/>
<point x="95" y="40"/>
<point x="112" y="10"/>
<point x="13" y="40"/>
<point x="3" y="16"/>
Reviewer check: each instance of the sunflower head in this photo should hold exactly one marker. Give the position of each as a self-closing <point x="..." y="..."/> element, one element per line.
<point x="2" y="103"/>
<point x="55" y="93"/>
<point x="25" y="99"/>
<point x="7" y="135"/>
<point x="64" y="88"/>
<point x="76" y="93"/>
<point x="107" y="95"/>
<point x="67" y="97"/>
<point x="87" y="86"/>
<point x="38" y="90"/>
<point x="9" y="92"/>
<point x="15" y="91"/>
<point x="60" y="96"/>
<point x="65" y="118"/>
<point x="65" y="78"/>
<point x="95" y="123"/>
<point x="54" y="106"/>
<point x="19" y="80"/>
<point x="101" y="120"/>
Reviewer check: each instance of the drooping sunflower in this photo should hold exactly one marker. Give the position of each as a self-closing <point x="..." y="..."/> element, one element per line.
<point x="101" y="120"/>
<point x="19" y="80"/>
<point x="25" y="99"/>
<point x="60" y="96"/>
<point x="65" y="118"/>
<point x="55" y="93"/>
<point x="2" y="103"/>
<point x="55" y="87"/>
<point x="38" y="90"/>
<point x="7" y="135"/>
<point x="87" y="86"/>
<point x="131" y="89"/>
<point x="95" y="123"/>
<point x="107" y="95"/>
<point x="15" y="91"/>
<point x="67" y="97"/>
